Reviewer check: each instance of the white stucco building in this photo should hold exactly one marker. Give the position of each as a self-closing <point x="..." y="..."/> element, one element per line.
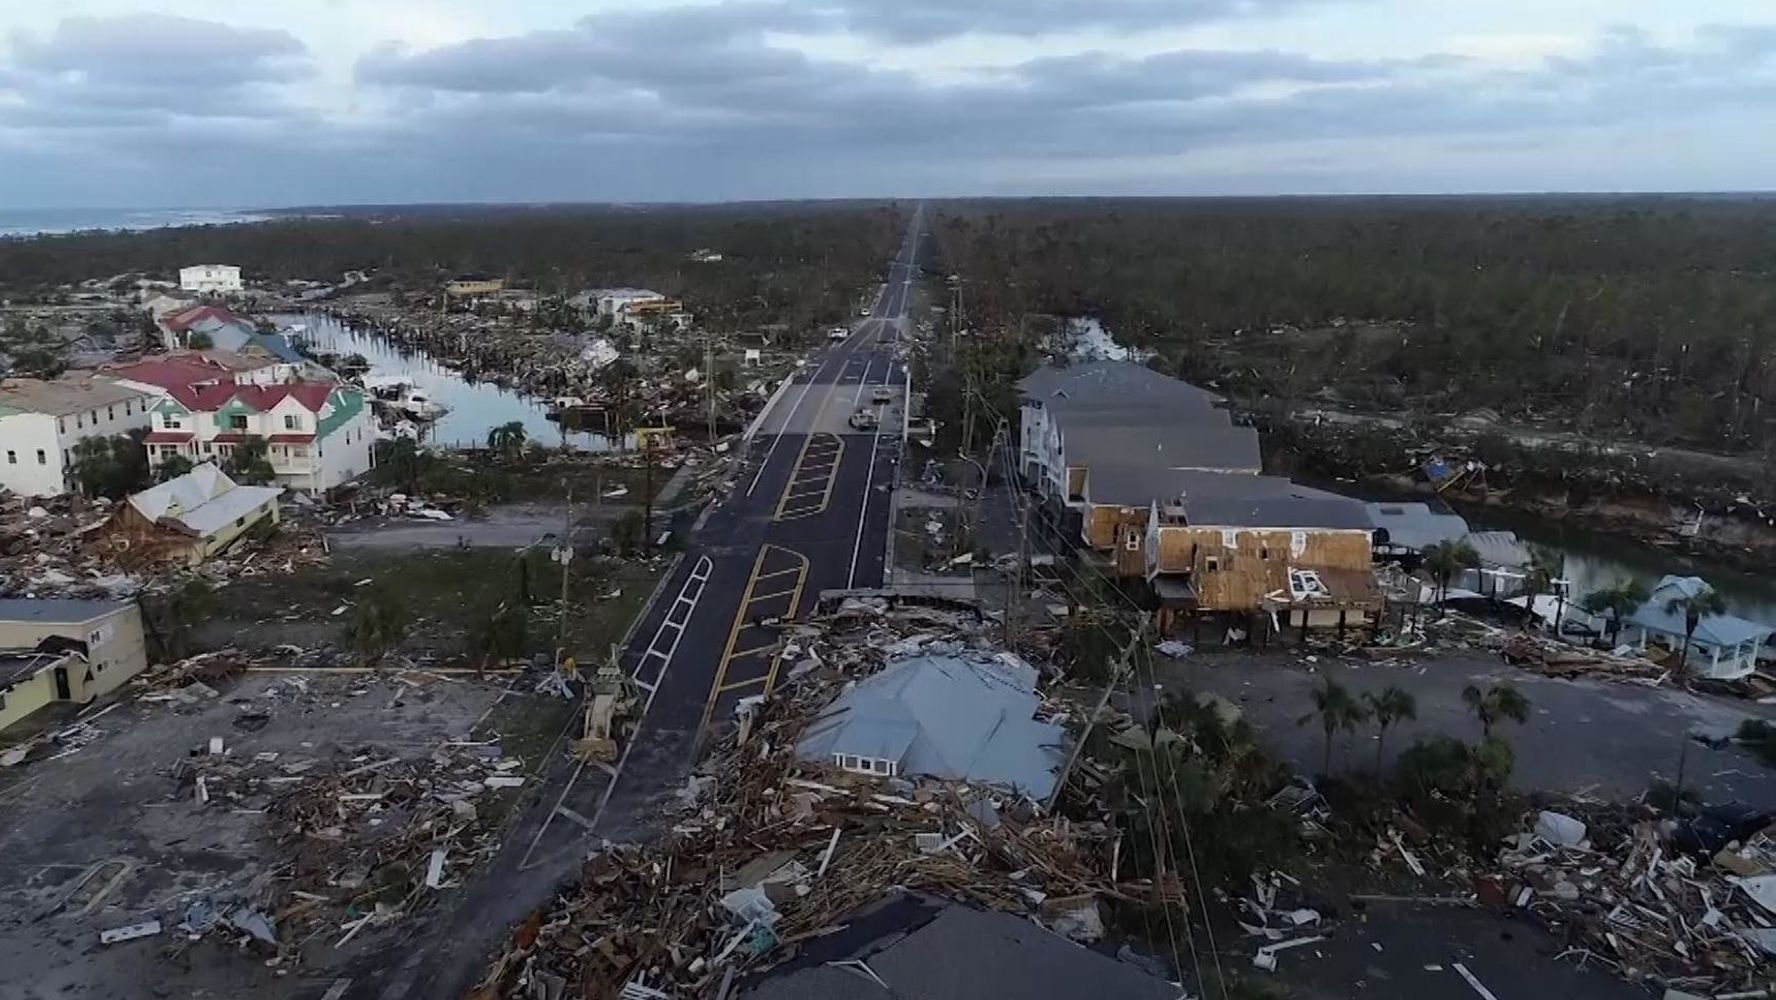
<point x="210" y="279"/>
<point x="41" y="422"/>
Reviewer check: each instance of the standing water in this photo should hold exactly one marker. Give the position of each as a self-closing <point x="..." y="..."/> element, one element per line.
<point x="474" y="407"/>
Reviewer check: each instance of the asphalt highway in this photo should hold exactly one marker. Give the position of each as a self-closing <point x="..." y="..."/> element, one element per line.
<point x="810" y="512"/>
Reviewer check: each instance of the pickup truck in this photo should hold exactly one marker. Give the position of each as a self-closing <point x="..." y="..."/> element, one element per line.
<point x="864" y="419"/>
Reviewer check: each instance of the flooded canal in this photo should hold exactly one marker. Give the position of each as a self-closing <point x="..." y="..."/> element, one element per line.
<point x="1596" y="559"/>
<point x="474" y="407"/>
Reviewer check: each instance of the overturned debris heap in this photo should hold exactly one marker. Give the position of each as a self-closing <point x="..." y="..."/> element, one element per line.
<point x="767" y="852"/>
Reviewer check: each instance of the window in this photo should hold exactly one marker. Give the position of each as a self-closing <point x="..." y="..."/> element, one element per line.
<point x="1229" y="539"/>
<point x="206" y="447"/>
<point x="127" y="404"/>
<point x="79" y="421"/>
<point x="240" y="522"/>
<point x="95" y="637"/>
<point x="12" y="457"/>
<point x="42" y="459"/>
<point x="1264" y="552"/>
<point x="290" y="422"/>
<point x="172" y="423"/>
<point x="238" y="421"/>
<point x="1132" y="542"/>
<point x="110" y="413"/>
<point x="61" y="425"/>
<point x="1212" y="564"/>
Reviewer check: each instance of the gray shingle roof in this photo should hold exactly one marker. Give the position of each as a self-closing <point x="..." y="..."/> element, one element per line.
<point x="947" y="717"/>
<point x="1139" y="485"/>
<point x="1276" y="512"/>
<point x="1170" y="446"/>
<point x="1112" y="384"/>
<point x="1415" y="525"/>
<point x="959" y="954"/>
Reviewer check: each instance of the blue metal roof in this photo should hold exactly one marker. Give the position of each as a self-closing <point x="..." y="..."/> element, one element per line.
<point x="1714" y="630"/>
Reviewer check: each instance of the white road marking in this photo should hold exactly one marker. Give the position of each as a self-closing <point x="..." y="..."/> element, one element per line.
<point x="699" y="579"/>
<point x="868" y="486"/>
<point x="863" y="382"/>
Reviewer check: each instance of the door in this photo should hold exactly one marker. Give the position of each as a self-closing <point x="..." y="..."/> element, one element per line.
<point x="61" y="681"/>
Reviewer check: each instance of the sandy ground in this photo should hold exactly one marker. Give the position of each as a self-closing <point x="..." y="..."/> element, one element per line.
<point x="116" y="799"/>
<point x="1602" y="738"/>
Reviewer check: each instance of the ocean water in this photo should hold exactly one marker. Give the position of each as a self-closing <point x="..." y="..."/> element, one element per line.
<point x="27" y="222"/>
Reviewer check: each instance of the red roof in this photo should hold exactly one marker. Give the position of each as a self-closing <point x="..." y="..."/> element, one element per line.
<point x="291" y="438"/>
<point x="210" y="398"/>
<point x="181" y="321"/>
<point x="167" y="437"/>
<point x="174" y="372"/>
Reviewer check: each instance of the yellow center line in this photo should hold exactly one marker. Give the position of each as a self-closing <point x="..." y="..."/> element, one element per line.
<point x="740" y="619"/>
<point x="780" y="593"/>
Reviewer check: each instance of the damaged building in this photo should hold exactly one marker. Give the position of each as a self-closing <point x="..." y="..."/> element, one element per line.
<point x="191" y="517"/>
<point x="955" y="717"/>
<point x="65" y="651"/>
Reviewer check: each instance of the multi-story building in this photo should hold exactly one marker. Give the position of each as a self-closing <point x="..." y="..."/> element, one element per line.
<point x="41" y="422"/>
<point x="210" y="279"/>
<point x="319" y="435"/>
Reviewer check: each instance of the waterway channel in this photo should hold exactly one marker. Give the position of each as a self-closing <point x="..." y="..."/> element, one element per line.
<point x="474" y="407"/>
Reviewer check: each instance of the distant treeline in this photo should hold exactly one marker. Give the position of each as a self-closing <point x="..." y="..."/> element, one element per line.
<point x="782" y="263"/>
<point x="1649" y="317"/>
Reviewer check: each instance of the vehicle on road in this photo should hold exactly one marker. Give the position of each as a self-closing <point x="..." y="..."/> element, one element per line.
<point x="865" y="419"/>
<point x="865" y="311"/>
<point x="882" y="394"/>
<point x="837" y="333"/>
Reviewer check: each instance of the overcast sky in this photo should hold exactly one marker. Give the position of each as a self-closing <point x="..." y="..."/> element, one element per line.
<point x="289" y="102"/>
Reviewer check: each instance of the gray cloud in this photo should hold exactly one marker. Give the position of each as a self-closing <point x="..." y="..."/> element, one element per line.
<point x="704" y="102"/>
<point x="924" y="20"/>
<point x="157" y="50"/>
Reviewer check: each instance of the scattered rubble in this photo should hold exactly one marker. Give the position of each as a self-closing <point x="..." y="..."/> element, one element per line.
<point x="765" y="851"/>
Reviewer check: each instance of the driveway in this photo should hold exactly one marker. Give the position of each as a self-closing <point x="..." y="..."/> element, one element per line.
<point x="1602" y="738"/>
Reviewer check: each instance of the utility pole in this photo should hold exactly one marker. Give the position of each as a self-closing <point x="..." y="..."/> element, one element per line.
<point x="1014" y="600"/>
<point x="709" y="381"/>
<point x="565" y="556"/>
<point x="647" y="500"/>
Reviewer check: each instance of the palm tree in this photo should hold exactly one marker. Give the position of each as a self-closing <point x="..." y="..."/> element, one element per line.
<point x="507" y="440"/>
<point x="502" y="635"/>
<point x="1393" y="704"/>
<point x="378" y="625"/>
<point x="1499" y="703"/>
<point x="1545" y="567"/>
<point x="1335" y="709"/>
<point x="1620" y="599"/>
<point x="1694" y="607"/>
<point x="1445" y="559"/>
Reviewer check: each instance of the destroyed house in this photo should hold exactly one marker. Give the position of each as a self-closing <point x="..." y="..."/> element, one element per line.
<point x="65" y="651"/>
<point x="1302" y="559"/>
<point x="1117" y="502"/>
<point x="1723" y="647"/>
<point x="917" y="946"/>
<point x="195" y="515"/>
<point x="470" y="285"/>
<point x="955" y="718"/>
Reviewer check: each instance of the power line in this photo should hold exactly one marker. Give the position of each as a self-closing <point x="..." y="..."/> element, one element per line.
<point x="1140" y="631"/>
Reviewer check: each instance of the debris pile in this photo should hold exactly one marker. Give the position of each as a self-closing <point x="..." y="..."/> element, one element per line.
<point x="765" y="850"/>
<point x="1647" y="899"/>
<point x="367" y="838"/>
